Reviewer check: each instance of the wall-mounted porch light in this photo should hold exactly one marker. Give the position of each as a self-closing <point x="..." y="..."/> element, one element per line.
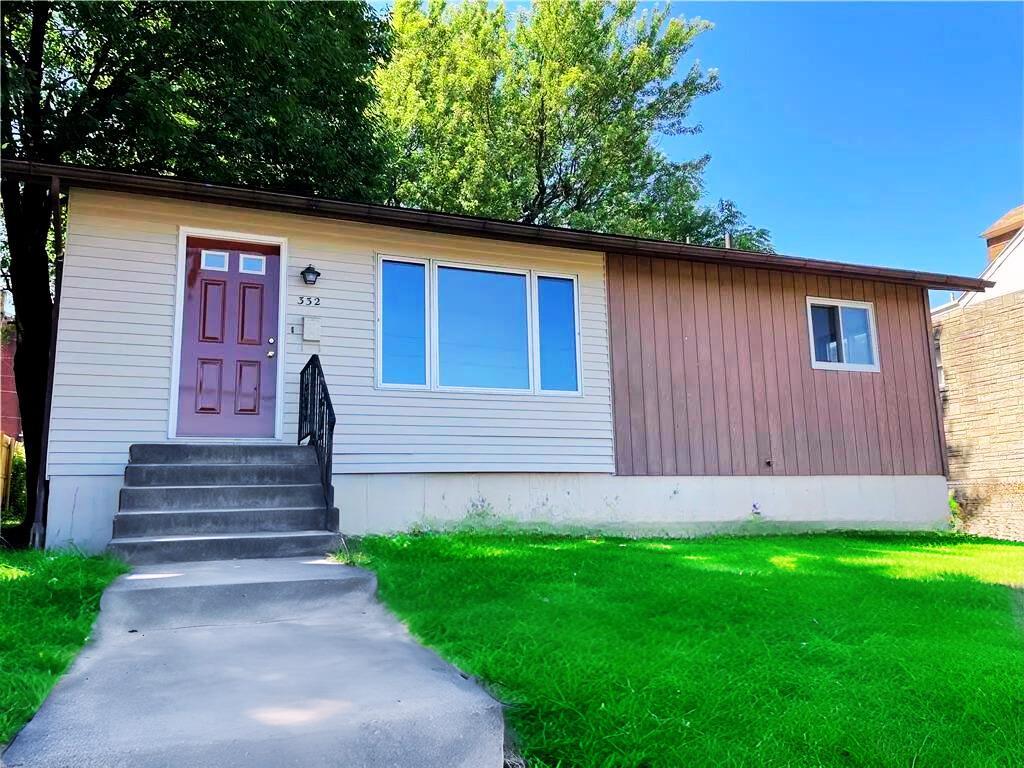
<point x="310" y="275"/>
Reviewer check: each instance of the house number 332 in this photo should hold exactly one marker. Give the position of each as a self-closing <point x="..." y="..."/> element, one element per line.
<point x="309" y="301"/>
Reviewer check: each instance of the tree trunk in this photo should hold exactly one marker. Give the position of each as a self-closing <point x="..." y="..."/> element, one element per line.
<point x="27" y="215"/>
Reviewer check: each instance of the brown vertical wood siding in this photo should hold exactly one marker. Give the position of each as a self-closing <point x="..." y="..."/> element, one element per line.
<point x="711" y="375"/>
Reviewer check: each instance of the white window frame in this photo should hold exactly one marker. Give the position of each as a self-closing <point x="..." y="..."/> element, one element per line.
<point x="241" y="263"/>
<point x="210" y="251"/>
<point x="535" y="323"/>
<point x="433" y="377"/>
<point x="840" y="303"/>
<point x="427" y="373"/>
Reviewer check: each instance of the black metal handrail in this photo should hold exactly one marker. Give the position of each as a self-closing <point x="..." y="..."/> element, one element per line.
<point x="316" y="421"/>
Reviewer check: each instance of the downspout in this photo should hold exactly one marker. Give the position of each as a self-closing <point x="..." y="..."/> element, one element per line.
<point x="37" y="537"/>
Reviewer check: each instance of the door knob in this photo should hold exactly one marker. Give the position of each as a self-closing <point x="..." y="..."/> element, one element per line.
<point x="270" y="340"/>
<point x="270" y="353"/>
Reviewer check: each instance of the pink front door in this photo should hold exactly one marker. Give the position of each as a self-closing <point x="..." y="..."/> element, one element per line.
<point x="227" y="385"/>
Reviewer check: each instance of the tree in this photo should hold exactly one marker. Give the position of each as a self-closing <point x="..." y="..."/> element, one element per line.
<point x="273" y="94"/>
<point x="550" y="117"/>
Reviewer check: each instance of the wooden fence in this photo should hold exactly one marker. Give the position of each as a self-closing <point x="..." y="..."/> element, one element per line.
<point x="7" y="446"/>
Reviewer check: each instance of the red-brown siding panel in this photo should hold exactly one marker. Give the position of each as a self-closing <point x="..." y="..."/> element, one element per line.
<point x="918" y="303"/>
<point x="779" y="331"/>
<point x="746" y="376"/>
<point x="649" y="358"/>
<point x="620" y="367"/>
<point x="704" y="372"/>
<point x="756" y="347"/>
<point x="677" y="357"/>
<point x="638" y="435"/>
<point x="712" y="375"/>
<point x="795" y="369"/>
<point x="694" y="418"/>
<point x="773" y="397"/>
<point x="814" y="429"/>
<point x="917" y="427"/>
<point x="719" y="372"/>
<point x="732" y="374"/>
<point x="663" y="363"/>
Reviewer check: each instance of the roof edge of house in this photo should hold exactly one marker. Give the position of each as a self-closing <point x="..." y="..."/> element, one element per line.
<point x="471" y="226"/>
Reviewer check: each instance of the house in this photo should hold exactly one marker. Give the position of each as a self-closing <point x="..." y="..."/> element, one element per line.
<point x="475" y="367"/>
<point x="10" y="414"/>
<point x="980" y="339"/>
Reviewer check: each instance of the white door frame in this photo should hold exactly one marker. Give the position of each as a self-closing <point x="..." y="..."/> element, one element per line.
<point x="184" y="232"/>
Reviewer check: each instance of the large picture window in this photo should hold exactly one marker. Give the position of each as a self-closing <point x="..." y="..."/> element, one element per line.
<point x="469" y="327"/>
<point x="843" y="335"/>
<point x="482" y="329"/>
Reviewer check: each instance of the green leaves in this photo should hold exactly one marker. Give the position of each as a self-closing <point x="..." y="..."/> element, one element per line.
<point x="548" y="117"/>
<point x="273" y="94"/>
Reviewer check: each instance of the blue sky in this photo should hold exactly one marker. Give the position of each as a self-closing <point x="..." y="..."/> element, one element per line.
<point x="873" y="133"/>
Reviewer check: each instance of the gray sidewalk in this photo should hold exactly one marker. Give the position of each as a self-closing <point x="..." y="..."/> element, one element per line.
<point x="283" y="662"/>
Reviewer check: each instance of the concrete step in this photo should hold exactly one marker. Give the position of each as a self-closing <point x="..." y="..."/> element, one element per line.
<point x="222" y="497"/>
<point x="201" y="521"/>
<point x="220" y="453"/>
<point x="143" y="550"/>
<point x="218" y="592"/>
<point x="148" y="475"/>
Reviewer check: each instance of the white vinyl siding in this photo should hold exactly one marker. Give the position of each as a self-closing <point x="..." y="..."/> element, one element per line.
<point x="112" y="384"/>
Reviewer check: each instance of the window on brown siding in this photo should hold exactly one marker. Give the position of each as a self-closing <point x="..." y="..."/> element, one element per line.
<point x="843" y="335"/>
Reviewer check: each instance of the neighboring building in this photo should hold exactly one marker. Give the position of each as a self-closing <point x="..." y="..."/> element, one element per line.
<point x="1003" y="230"/>
<point x="541" y="374"/>
<point x="10" y="415"/>
<point x="981" y="348"/>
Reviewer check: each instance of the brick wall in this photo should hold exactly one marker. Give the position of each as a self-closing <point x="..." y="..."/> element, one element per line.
<point x="982" y="358"/>
<point x="10" y="417"/>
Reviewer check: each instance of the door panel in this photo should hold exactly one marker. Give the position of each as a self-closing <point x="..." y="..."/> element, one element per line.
<point x="211" y="310"/>
<point x="250" y="323"/>
<point x="209" y="385"/>
<point x="247" y="387"/>
<point x="228" y="355"/>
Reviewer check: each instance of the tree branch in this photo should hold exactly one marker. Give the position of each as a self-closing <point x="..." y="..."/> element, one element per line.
<point x="34" y="78"/>
<point x="13" y="53"/>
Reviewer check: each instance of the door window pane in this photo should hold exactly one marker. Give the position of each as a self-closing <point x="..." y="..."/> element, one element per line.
<point x="857" y="336"/>
<point x="216" y="260"/>
<point x="403" y="323"/>
<point x="252" y="265"/>
<point x="825" y="321"/>
<point x="482" y="329"/>
<point x="556" y="320"/>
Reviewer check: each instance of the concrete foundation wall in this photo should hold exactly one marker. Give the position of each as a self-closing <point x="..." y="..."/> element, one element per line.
<point x="637" y="505"/>
<point x="82" y="508"/>
<point x="81" y="511"/>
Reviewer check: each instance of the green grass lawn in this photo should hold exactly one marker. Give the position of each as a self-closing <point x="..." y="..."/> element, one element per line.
<point x="48" y="601"/>
<point x="855" y="650"/>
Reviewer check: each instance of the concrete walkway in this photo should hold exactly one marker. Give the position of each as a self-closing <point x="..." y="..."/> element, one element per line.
<point x="283" y="662"/>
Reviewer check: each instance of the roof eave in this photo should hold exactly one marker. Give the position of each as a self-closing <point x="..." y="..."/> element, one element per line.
<point x="167" y="186"/>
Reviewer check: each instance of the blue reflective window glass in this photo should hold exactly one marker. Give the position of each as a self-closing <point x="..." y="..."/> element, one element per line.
<point x="217" y="260"/>
<point x="825" y="322"/>
<point x="482" y="329"/>
<point x="403" y="323"/>
<point x="556" y="319"/>
<point x="857" y="344"/>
